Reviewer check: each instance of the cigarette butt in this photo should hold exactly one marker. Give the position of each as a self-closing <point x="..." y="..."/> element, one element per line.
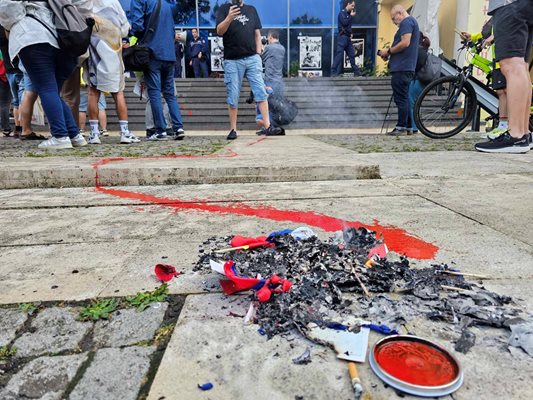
<point x="352" y="369"/>
<point x="356" y="382"/>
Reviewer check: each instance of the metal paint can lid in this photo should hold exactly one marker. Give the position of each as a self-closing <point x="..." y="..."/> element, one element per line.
<point x="416" y="366"/>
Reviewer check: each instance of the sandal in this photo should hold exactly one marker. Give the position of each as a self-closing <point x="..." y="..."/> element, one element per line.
<point x="33" y="136"/>
<point x="7" y="133"/>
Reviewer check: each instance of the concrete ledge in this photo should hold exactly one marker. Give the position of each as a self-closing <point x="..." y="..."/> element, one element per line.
<point x="117" y="175"/>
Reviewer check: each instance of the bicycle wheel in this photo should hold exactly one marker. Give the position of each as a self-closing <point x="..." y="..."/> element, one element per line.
<point x="445" y="107"/>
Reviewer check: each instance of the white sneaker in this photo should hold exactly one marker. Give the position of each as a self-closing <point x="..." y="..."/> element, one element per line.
<point x="104" y="132"/>
<point x="128" y="138"/>
<point x="78" y="141"/>
<point x="56" y="143"/>
<point x="94" y="139"/>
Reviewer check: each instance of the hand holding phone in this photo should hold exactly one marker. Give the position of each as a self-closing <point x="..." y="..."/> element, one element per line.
<point x="234" y="11"/>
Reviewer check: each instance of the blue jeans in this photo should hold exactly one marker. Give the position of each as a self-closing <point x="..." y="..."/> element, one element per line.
<point x="415" y="88"/>
<point x="200" y="67"/>
<point x="5" y="101"/>
<point x="48" y="69"/>
<point x="16" y="84"/>
<point x="400" y="82"/>
<point x="160" y="79"/>
<point x="234" y="73"/>
<point x="344" y="44"/>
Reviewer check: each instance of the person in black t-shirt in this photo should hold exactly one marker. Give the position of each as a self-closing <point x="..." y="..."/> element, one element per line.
<point x="239" y="26"/>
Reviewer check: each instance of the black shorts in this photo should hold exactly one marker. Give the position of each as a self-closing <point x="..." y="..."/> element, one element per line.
<point x="498" y="81"/>
<point x="513" y="30"/>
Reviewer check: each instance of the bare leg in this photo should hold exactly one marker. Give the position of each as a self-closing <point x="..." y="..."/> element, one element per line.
<point x="528" y="106"/>
<point x="92" y="106"/>
<point x="233" y="112"/>
<point x="102" y="119"/>
<point x="518" y="90"/>
<point x="16" y="116"/>
<point x="263" y="107"/>
<point x="82" y="120"/>
<point x="26" y="111"/>
<point x="121" y="107"/>
<point x="502" y="96"/>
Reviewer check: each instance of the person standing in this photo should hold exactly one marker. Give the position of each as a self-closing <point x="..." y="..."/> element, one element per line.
<point x="344" y="40"/>
<point x="198" y="55"/>
<point x="33" y="41"/>
<point x="5" y="99"/>
<point x="159" y="77"/>
<point x="274" y="59"/>
<point x="240" y="28"/>
<point x="402" y="57"/>
<point x="178" y="67"/>
<point x="513" y="30"/>
<point x="15" y="80"/>
<point x="105" y="68"/>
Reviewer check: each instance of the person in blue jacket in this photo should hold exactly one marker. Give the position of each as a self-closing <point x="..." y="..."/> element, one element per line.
<point x="198" y="55"/>
<point x="344" y="40"/>
<point x="159" y="77"/>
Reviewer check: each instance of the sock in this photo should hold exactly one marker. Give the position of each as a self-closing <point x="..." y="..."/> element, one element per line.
<point x="18" y="129"/>
<point x="123" y="127"/>
<point x="94" y="127"/>
<point x="504" y="124"/>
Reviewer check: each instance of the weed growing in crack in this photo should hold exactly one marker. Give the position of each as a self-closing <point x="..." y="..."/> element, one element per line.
<point x="143" y="299"/>
<point x="100" y="309"/>
<point x="29" y="308"/>
<point x="6" y="353"/>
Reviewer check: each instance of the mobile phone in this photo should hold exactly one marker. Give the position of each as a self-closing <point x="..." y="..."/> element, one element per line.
<point x="235" y="2"/>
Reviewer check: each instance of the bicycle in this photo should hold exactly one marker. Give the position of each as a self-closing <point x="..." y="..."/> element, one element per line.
<point x="447" y="105"/>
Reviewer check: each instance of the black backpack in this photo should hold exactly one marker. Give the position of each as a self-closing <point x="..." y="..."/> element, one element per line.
<point x="73" y="31"/>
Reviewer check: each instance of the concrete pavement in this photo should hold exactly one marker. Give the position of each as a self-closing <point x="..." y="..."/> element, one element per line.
<point x="80" y="243"/>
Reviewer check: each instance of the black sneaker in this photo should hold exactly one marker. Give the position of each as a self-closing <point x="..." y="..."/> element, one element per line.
<point x="232" y="135"/>
<point x="505" y="144"/>
<point x="530" y="141"/>
<point x="157" y="137"/>
<point x="150" y="132"/>
<point x="179" y="134"/>
<point x="398" y="132"/>
<point x="274" y="131"/>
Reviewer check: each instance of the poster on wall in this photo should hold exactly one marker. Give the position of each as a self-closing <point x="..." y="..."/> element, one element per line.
<point x="310" y="74"/>
<point x="310" y="52"/>
<point x="217" y="54"/>
<point x="359" y="47"/>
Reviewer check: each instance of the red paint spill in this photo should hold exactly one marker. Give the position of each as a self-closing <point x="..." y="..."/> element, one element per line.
<point x="397" y="239"/>
<point x="189" y="113"/>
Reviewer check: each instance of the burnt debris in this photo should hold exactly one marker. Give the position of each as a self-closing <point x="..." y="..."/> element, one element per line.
<point x="325" y="288"/>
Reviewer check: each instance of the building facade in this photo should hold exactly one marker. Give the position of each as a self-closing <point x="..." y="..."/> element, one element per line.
<point x="307" y="30"/>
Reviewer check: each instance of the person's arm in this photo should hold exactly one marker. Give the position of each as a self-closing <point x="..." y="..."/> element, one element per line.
<point x="137" y="18"/>
<point x="223" y="25"/>
<point x="265" y="54"/>
<point x="402" y="45"/>
<point x="258" y="44"/>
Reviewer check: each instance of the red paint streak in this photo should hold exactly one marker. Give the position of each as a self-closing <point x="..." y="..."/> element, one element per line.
<point x="397" y="239"/>
<point x="257" y="141"/>
<point x="189" y="113"/>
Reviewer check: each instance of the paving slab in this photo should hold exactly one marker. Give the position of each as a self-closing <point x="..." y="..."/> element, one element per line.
<point x="44" y="378"/>
<point x="114" y="374"/>
<point x="53" y="330"/>
<point x="11" y="320"/>
<point x="211" y="347"/>
<point x="129" y="326"/>
<point x="500" y="201"/>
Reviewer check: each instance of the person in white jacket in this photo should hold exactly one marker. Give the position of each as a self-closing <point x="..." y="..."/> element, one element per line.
<point x="47" y="65"/>
<point x="105" y="69"/>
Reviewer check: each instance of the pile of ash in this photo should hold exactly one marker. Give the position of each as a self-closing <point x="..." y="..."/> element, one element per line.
<point x="325" y="288"/>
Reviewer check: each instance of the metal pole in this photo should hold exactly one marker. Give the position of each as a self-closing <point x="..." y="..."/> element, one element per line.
<point x="332" y="33"/>
<point x="288" y="38"/>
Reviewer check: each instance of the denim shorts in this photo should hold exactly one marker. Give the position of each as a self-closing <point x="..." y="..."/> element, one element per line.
<point x="235" y="71"/>
<point x="84" y="99"/>
<point x="16" y="84"/>
<point x="28" y="86"/>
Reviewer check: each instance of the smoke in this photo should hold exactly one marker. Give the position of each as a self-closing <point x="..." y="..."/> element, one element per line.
<point x="337" y="104"/>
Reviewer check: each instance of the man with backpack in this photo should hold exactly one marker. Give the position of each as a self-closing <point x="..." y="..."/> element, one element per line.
<point x="48" y="44"/>
<point x="152" y="21"/>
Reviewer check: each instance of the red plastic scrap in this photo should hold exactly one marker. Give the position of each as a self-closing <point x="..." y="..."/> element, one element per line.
<point x="165" y="273"/>
<point x="264" y="287"/>
<point x="260" y="241"/>
<point x="379" y="251"/>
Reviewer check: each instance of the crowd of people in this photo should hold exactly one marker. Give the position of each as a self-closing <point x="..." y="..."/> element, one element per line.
<point x="72" y="87"/>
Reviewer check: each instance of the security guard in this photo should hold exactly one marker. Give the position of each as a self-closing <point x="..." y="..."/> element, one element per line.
<point x="198" y="55"/>
<point x="344" y="40"/>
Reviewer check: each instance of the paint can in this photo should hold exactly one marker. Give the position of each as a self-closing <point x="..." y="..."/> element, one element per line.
<point x="416" y="366"/>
